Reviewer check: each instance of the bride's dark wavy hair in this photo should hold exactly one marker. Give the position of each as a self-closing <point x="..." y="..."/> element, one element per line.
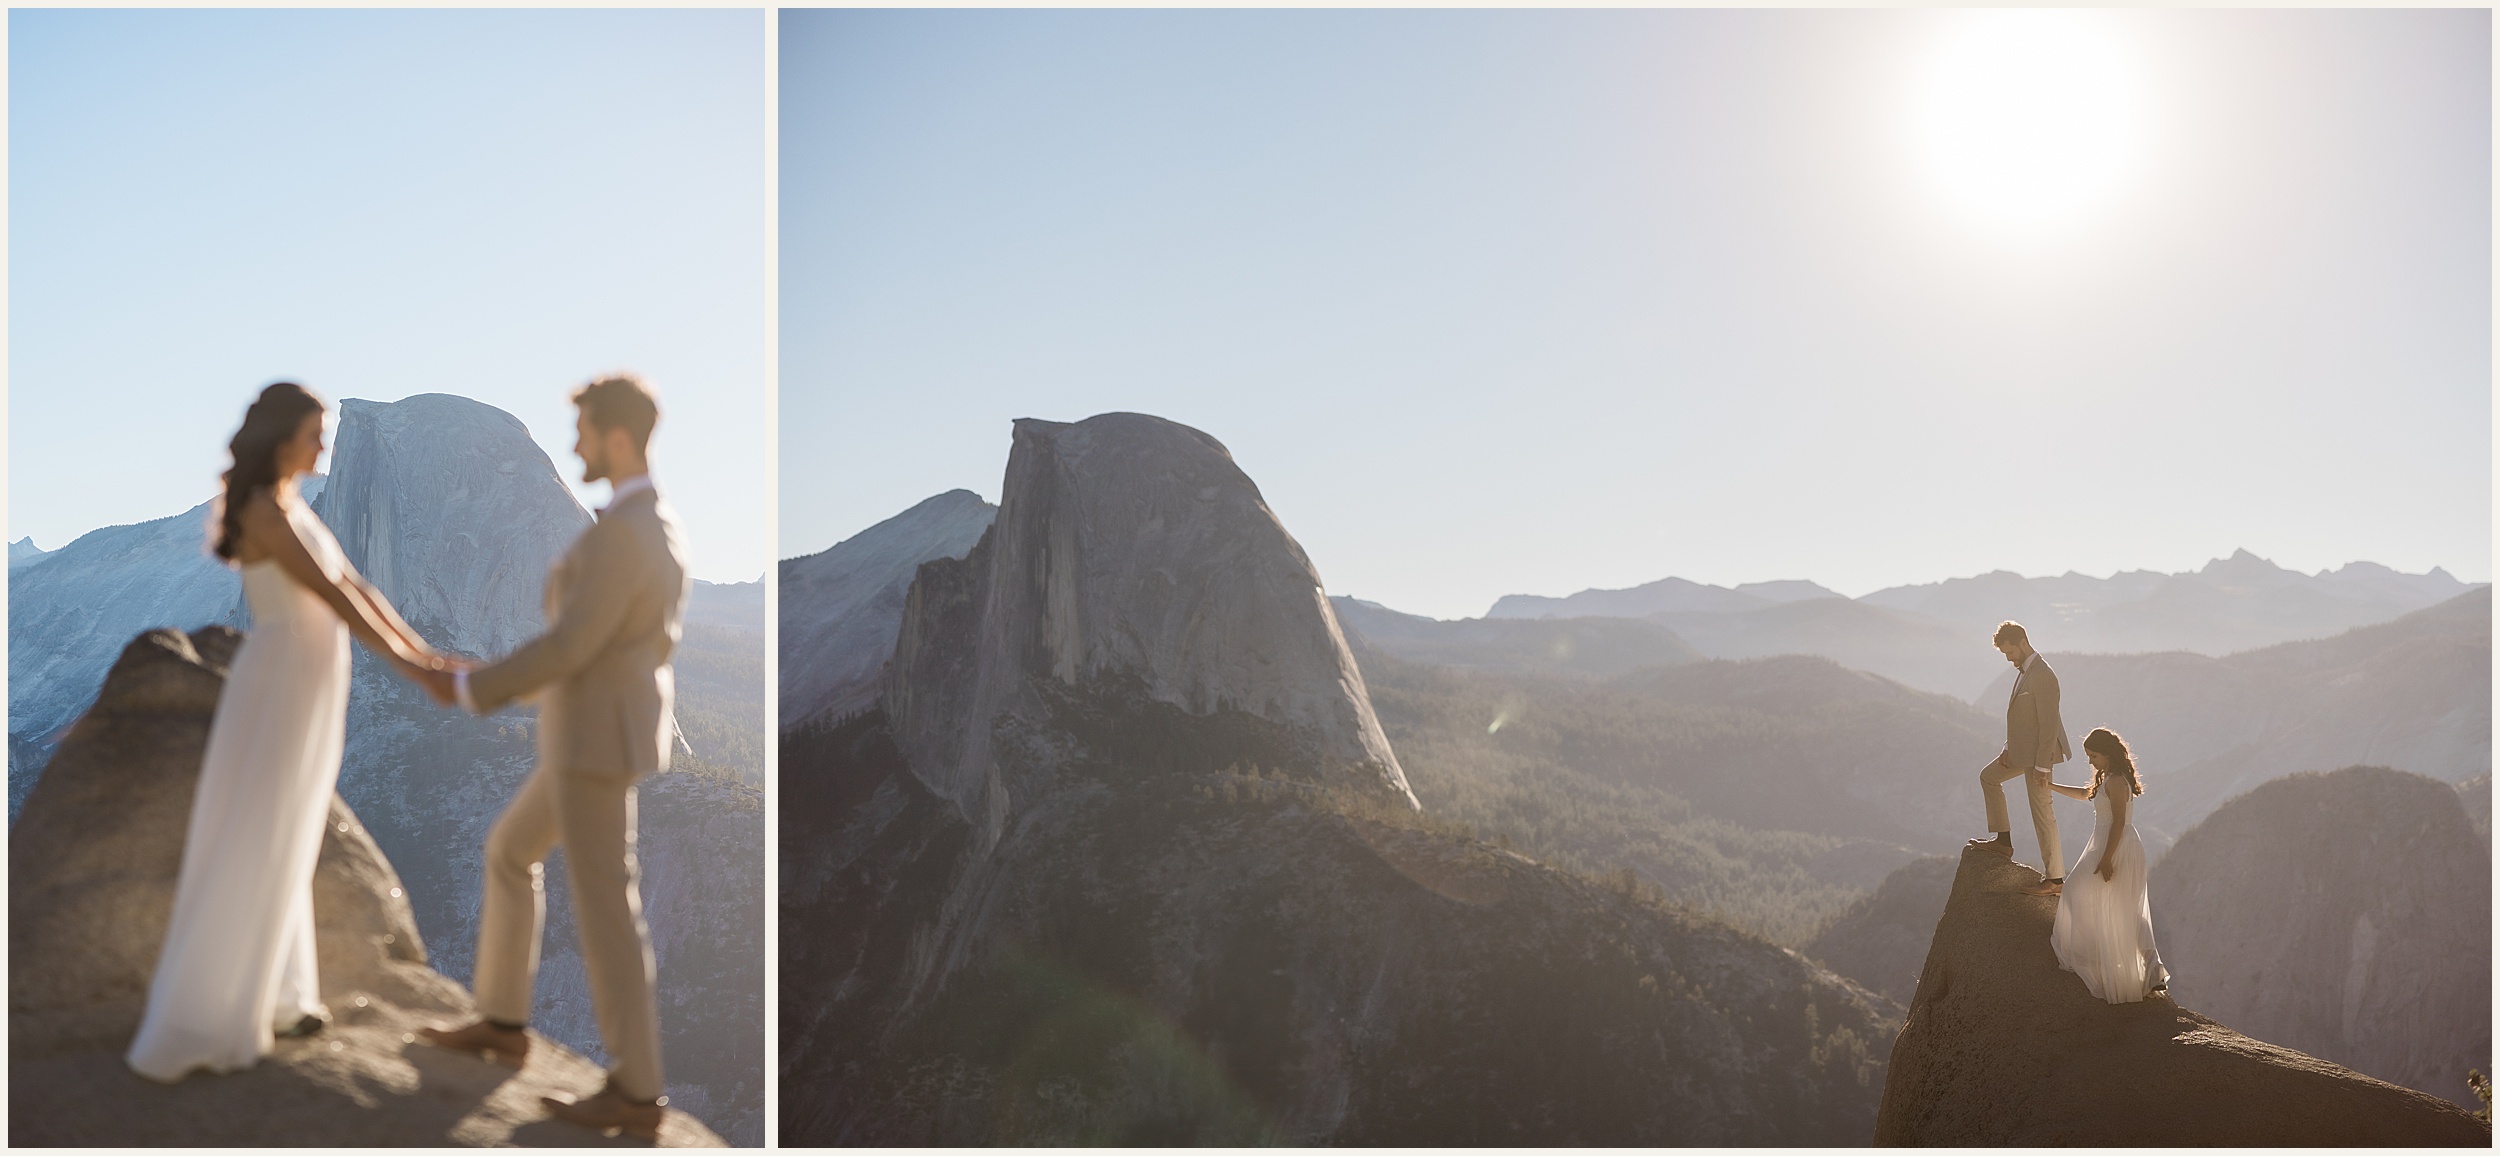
<point x="272" y="420"/>
<point x="2106" y="743"/>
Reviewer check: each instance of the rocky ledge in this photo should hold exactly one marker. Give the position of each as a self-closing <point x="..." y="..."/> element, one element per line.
<point x="92" y="861"/>
<point x="2003" y="1048"/>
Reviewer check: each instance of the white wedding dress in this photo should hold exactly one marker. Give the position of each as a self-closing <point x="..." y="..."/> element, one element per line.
<point x="238" y="963"/>
<point x="2104" y="930"/>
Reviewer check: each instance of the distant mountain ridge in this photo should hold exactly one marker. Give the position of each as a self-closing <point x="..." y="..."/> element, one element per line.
<point x="1922" y="634"/>
<point x="1664" y="596"/>
<point x="2413" y="693"/>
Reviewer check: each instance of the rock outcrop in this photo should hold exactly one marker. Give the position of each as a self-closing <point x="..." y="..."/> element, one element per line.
<point x="2003" y="1048"/>
<point x="71" y="609"/>
<point x="455" y="512"/>
<point x="91" y="877"/>
<point x="1139" y="869"/>
<point x="1127" y="549"/>
<point x="2346" y="914"/>
<point x="1881" y="940"/>
<point x="841" y="607"/>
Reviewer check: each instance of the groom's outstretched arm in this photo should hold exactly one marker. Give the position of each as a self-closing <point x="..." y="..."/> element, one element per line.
<point x="600" y="586"/>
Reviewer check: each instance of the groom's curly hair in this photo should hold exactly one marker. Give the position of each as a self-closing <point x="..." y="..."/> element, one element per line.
<point x="2106" y="743"/>
<point x="621" y="401"/>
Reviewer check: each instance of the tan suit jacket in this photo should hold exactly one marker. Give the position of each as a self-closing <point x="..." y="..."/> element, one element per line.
<point x="615" y="603"/>
<point x="2035" y="736"/>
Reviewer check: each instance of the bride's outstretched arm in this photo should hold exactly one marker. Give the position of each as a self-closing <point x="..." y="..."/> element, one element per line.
<point x="2076" y="793"/>
<point x="268" y="528"/>
<point x="387" y="614"/>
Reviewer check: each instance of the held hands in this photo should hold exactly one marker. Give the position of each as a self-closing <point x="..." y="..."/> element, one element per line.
<point x="434" y="673"/>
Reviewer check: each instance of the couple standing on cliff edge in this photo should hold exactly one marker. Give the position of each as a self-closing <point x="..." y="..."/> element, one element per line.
<point x="2104" y="927"/>
<point x="239" y="966"/>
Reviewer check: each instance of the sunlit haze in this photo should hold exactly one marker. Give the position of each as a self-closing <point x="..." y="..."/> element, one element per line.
<point x="1498" y="302"/>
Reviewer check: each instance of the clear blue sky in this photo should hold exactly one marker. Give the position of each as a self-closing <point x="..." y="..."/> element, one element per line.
<point x="1494" y="302"/>
<point x="500" y="204"/>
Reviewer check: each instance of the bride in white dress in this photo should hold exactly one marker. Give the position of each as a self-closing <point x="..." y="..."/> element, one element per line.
<point x="238" y="966"/>
<point x="2104" y="930"/>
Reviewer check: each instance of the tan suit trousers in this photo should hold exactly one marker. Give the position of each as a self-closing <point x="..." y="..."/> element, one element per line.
<point x="592" y="816"/>
<point x="2043" y="817"/>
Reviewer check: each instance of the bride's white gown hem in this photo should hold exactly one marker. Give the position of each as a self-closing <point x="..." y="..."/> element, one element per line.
<point x="2104" y="930"/>
<point x="239" y="959"/>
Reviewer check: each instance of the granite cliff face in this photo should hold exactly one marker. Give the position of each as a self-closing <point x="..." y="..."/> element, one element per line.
<point x="91" y="878"/>
<point x="1127" y="550"/>
<point x="450" y="507"/>
<point x="841" y="607"/>
<point x="2344" y="914"/>
<point x="1130" y="863"/>
<point x="2003" y="1048"/>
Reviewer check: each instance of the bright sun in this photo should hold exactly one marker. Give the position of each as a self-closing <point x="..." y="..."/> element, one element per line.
<point x="2027" y="118"/>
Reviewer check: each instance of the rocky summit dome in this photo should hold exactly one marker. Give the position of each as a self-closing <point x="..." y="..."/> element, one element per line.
<point x="1128" y="552"/>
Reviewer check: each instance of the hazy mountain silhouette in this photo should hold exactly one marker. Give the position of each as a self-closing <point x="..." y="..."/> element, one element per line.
<point x="1664" y="596"/>
<point x="2346" y="914"/>
<point x="1934" y="636"/>
<point x="1542" y="646"/>
<point x="2414" y="694"/>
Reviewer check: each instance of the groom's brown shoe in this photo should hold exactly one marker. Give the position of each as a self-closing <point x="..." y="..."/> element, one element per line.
<point x="611" y="1110"/>
<point x="507" y="1046"/>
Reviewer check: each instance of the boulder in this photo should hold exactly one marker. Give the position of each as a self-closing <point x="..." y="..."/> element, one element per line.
<point x="2001" y="1047"/>
<point x="92" y="863"/>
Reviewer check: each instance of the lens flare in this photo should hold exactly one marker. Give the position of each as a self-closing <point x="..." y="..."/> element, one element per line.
<point x="2029" y="118"/>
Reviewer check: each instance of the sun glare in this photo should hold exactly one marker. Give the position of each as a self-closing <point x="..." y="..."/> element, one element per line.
<point x="2026" y="119"/>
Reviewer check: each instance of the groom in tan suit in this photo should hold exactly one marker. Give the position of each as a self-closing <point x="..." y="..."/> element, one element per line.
<point x="604" y="689"/>
<point x="2035" y="740"/>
